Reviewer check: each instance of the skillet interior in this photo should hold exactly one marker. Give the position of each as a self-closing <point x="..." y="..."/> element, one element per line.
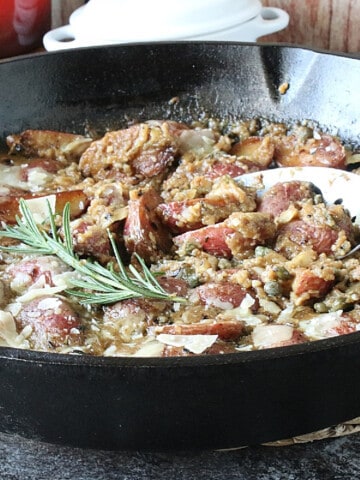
<point x="105" y="86"/>
<point x="218" y="402"/>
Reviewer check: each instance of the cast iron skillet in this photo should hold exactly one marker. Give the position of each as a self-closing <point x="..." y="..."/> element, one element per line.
<point x="179" y="403"/>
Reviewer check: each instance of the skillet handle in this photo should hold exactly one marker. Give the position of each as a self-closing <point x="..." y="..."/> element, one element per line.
<point x="60" y="38"/>
<point x="269" y="20"/>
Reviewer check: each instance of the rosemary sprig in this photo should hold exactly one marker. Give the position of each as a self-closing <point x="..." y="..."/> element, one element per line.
<point x="96" y="284"/>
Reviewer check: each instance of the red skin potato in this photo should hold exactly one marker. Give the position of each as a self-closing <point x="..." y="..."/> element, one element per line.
<point x="306" y="281"/>
<point x="171" y="212"/>
<point x="48" y="144"/>
<point x="257" y="151"/>
<point x="97" y="243"/>
<point x="297" y="338"/>
<point x="173" y="285"/>
<point x="325" y="151"/>
<point x="225" y="293"/>
<point x="227" y="331"/>
<point x="143" y="232"/>
<point x="240" y="232"/>
<point x="49" y="165"/>
<point x="211" y="239"/>
<point x="145" y="150"/>
<point x="217" y="348"/>
<point x="279" y="197"/>
<point x="349" y="323"/>
<point x="34" y="268"/>
<point x="9" y="205"/>
<point x="231" y="169"/>
<point x="146" y="309"/>
<point x="53" y="321"/>
<point x="320" y="238"/>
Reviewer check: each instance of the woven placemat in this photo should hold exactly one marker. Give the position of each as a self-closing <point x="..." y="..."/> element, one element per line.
<point x="345" y="428"/>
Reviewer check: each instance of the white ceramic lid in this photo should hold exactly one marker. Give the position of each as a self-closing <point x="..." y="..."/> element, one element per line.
<point x="144" y="20"/>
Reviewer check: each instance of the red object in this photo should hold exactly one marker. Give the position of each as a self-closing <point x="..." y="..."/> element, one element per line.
<point x="22" y="25"/>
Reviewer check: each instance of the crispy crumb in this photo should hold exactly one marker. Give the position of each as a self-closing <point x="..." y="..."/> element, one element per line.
<point x="174" y="100"/>
<point x="283" y="88"/>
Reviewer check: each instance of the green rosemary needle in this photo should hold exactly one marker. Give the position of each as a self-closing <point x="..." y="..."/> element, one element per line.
<point x="96" y="284"/>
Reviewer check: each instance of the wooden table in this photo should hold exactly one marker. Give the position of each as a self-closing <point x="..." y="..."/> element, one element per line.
<point x="327" y="24"/>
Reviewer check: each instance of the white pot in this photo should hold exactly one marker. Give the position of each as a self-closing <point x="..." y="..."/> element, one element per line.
<point x="103" y="22"/>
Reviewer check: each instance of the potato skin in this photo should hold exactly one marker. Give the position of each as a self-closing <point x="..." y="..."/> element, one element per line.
<point x="9" y="204"/>
<point x="53" y="321"/>
<point x="135" y="153"/>
<point x="325" y="151"/>
<point x="52" y="145"/>
<point x="144" y="233"/>
<point x="279" y="197"/>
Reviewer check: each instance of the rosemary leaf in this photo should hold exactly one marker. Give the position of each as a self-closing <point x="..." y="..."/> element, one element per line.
<point x="101" y="298"/>
<point x="67" y="231"/>
<point x="95" y="285"/>
<point x="54" y="232"/>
